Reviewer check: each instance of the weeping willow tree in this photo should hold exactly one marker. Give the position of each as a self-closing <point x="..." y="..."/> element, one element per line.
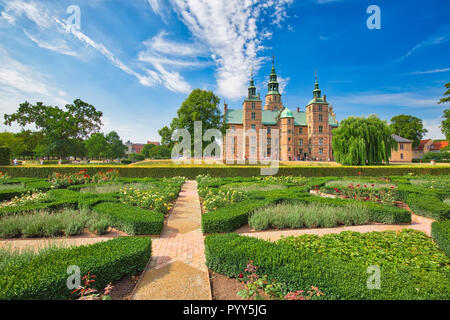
<point x="361" y="141"/>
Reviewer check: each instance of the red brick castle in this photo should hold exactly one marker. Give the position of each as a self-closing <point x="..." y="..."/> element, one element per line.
<point x="303" y="134"/>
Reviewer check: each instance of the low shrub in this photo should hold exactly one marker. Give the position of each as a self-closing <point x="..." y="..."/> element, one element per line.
<point x="428" y="206"/>
<point x="230" y="218"/>
<point x="301" y="215"/>
<point x="440" y="231"/>
<point x="5" y="156"/>
<point x="297" y="269"/>
<point x="132" y="220"/>
<point x="44" y="276"/>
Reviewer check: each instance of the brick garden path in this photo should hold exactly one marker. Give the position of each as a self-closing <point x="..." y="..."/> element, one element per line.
<point x="177" y="270"/>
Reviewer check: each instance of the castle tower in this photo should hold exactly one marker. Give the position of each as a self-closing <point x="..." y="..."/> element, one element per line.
<point x="252" y="120"/>
<point x="319" y="135"/>
<point x="273" y="96"/>
<point x="287" y="135"/>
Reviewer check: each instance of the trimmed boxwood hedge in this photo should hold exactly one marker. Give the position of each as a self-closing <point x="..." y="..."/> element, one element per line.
<point x="230" y="218"/>
<point x="440" y="231"/>
<point x="404" y="190"/>
<point x="229" y="254"/>
<point x="428" y="206"/>
<point x="132" y="220"/>
<point x="5" y="157"/>
<point x="192" y="172"/>
<point x="44" y="277"/>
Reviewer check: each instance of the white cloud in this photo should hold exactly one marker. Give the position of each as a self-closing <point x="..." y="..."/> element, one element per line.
<point x="59" y="46"/>
<point x="20" y="82"/>
<point x="407" y="99"/>
<point x="439" y="37"/>
<point x="430" y="71"/>
<point x="434" y="132"/>
<point x="229" y="29"/>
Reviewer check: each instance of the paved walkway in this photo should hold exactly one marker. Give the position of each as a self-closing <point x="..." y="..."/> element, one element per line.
<point x="177" y="270"/>
<point x="417" y="223"/>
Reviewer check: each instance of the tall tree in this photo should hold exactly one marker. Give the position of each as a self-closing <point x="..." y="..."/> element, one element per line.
<point x="31" y="141"/>
<point x="445" y="125"/>
<point x="14" y="142"/>
<point x="160" y="152"/>
<point x="361" y="141"/>
<point x="97" y="146"/>
<point x="408" y="127"/>
<point x="146" y="149"/>
<point x="116" y="148"/>
<point x="200" y="105"/>
<point x="59" y="126"/>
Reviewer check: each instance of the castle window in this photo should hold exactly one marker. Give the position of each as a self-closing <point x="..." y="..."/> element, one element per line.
<point x="253" y="150"/>
<point x="269" y="141"/>
<point x="233" y="128"/>
<point x="401" y="156"/>
<point x="289" y="139"/>
<point x="253" y="140"/>
<point x="289" y="149"/>
<point x="289" y="131"/>
<point x="320" y="129"/>
<point x="253" y="116"/>
<point x="309" y="130"/>
<point x="309" y="140"/>
<point x="268" y="130"/>
<point x="401" y="146"/>
<point x="253" y="105"/>
<point x="320" y="150"/>
<point x="321" y="141"/>
<point x="301" y="142"/>
<point x="320" y="108"/>
<point x="254" y="127"/>
<point x="300" y="130"/>
<point x="289" y="122"/>
<point x="309" y="118"/>
<point x="320" y="117"/>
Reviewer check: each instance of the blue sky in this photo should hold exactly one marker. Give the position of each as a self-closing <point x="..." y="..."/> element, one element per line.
<point x="137" y="60"/>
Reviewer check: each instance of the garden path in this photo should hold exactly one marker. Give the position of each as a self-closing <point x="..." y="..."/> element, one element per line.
<point x="417" y="223"/>
<point x="177" y="270"/>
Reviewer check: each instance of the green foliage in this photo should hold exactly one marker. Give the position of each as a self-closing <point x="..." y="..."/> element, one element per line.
<point x="361" y="141"/>
<point x="13" y="142"/>
<point x="445" y="125"/>
<point x="132" y="220"/>
<point x="440" y="231"/>
<point x="200" y="105"/>
<point x="159" y="153"/>
<point x="5" y="156"/>
<point x="62" y="128"/>
<point x="146" y="150"/>
<point x="192" y="172"/>
<point x="428" y="206"/>
<point x="408" y="127"/>
<point x="230" y="218"/>
<point x="44" y="276"/>
<point x="301" y="215"/>
<point x="228" y="254"/>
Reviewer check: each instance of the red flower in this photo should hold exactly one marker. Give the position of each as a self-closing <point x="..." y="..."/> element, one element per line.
<point x="365" y="186"/>
<point x="392" y="187"/>
<point x="357" y="185"/>
<point x="373" y="185"/>
<point x="241" y="275"/>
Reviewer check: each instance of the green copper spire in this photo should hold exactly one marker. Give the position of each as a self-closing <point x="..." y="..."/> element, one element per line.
<point x="252" y="90"/>
<point x="317" y="92"/>
<point x="273" y="85"/>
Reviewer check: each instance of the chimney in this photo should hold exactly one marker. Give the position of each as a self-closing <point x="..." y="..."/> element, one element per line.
<point x="298" y="109"/>
<point x="325" y="97"/>
<point x="225" y="107"/>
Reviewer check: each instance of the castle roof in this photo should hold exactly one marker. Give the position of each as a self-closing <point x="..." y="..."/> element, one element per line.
<point x="400" y="139"/>
<point x="270" y="118"/>
<point x="286" y="114"/>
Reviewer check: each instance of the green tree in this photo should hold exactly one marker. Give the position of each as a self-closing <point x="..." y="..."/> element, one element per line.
<point x="360" y="141"/>
<point x="97" y="146"/>
<point x="445" y="125"/>
<point x="14" y="142"/>
<point x="146" y="150"/>
<point x="408" y="127"/>
<point x="59" y="126"/>
<point x="160" y="152"/>
<point x="200" y="105"/>
<point x="31" y="141"/>
<point x="116" y="148"/>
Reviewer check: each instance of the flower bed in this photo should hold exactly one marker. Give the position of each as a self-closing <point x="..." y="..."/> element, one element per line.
<point x="297" y="269"/>
<point x="59" y="180"/>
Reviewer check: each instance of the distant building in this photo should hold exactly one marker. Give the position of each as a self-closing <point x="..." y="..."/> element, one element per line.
<point x="428" y="145"/>
<point x="438" y="145"/>
<point x="404" y="153"/>
<point x="423" y="148"/>
<point x="137" y="147"/>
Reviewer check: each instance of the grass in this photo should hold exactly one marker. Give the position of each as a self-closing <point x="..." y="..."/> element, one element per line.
<point x="40" y="224"/>
<point x="300" y="215"/>
<point x="243" y="187"/>
<point x="110" y="188"/>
